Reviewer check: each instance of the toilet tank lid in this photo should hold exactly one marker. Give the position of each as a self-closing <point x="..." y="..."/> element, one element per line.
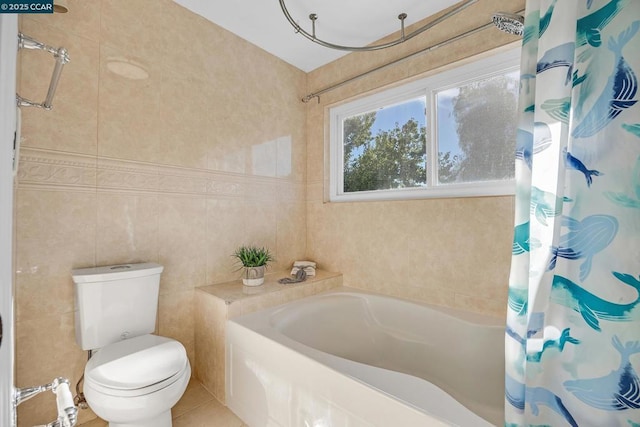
<point x="115" y="272"/>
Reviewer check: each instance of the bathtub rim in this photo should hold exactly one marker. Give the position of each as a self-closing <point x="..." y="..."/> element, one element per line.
<point x="465" y="316"/>
<point x="252" y="321"/>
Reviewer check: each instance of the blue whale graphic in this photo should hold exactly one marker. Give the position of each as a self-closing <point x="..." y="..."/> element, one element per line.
<point x="542" y="137"/>
<point x="527" y="146"/>
<point x="545" y="204"/>
<point x="618" y="391"/>
<point x="558" y="109"/>
<point x="575" y="163"/>
<point x="584" y="240"/>
<point x="525" y="84"/>
<point x="517" y="394"/>
<point x="559" y="56"/>
<point x="593" y="308"/>
<point x="524" y="147"/>
<point x="618" y="93"/>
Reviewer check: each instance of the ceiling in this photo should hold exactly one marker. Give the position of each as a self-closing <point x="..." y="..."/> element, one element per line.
<point x="344" y="22"/>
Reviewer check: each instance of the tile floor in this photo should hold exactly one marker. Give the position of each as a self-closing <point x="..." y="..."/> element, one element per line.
<point x="197" y="408"/>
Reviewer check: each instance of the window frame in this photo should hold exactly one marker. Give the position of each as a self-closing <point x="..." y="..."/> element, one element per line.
<point x="455" y="75"/>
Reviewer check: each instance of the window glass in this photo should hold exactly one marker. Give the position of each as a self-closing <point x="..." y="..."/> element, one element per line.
<point x="476" y="125"/>
<point x="385" y="148"/>
<point x="448" y="135"/>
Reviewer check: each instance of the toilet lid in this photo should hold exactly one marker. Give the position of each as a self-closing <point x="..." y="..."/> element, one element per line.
<point x="136" y="362"/>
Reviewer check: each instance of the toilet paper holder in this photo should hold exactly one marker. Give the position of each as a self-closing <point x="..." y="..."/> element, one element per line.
<point x="67" y="411"/>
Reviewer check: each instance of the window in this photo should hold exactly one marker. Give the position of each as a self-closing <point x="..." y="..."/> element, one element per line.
<point x="449" y="135"/>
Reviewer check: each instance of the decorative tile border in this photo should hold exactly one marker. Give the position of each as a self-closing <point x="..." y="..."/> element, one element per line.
<point x="41" y="168"/>
<point x="56" y="169"/>
<point x="115" y="174"/>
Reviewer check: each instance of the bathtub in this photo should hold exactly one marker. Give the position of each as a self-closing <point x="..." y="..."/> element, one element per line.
<point x="351" y="358"/>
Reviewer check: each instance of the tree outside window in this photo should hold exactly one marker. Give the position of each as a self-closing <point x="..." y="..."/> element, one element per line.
<point x="451" y="134"/>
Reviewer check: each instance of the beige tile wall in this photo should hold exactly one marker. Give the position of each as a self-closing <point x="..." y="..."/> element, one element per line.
<point x="215" y="304"/>
<point x="453" y="252"/>
<point x="179" y="168"/>
<point x="214" y="149"/>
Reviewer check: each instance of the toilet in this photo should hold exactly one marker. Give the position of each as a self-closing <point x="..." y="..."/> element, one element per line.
<point x="133" y="377"/>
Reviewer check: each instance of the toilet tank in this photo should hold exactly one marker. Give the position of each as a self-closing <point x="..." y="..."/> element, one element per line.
<point x="115" y="302"/>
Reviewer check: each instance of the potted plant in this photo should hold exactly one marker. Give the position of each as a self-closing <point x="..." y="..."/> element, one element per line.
<point x="253" y="260"/>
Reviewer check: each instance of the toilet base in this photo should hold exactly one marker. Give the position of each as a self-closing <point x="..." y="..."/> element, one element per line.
<point x="162" y="420"/>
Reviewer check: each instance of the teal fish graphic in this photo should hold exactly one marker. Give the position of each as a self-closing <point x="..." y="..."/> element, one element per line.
<point x="543" y="24"/>
<point x="521" y="241"/>
<point x="517" y="300"/>
<point x="574" y="163"/>
<point x="588" y="28"/>
<point x="618" y="391"/>
<point x="592" y="308"/>
<point x="578" y="79"/>
<point x="618" y="93"/>
<point x="584" y="240"/>
<point x="559" y="343"/>
<point x="546" y="18"/>
<point x="625" y="200"/>
<point x="634" y="129"/>
<point x="558" y="108"/>
<point x="545" y="204"/>
<point x="530" y="31"/>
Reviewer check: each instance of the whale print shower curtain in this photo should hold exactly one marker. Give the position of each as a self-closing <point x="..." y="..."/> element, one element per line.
<point x="573" y="321"/>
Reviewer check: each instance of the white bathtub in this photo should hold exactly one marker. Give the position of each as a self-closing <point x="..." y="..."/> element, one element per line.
<point x="350" y="358"/>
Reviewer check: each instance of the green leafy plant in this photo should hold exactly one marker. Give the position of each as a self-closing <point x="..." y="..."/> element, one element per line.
<point x="253" y="256"/>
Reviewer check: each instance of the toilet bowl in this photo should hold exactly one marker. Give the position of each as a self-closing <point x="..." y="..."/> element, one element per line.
<point x="135" y="382"/>
<point x="133" y="377"/>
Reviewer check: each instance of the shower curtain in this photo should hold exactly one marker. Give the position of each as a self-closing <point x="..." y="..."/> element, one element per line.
<point x="573" y="321"/>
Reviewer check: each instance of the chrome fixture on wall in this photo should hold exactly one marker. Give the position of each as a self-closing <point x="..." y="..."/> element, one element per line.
<point x="61" y="56"/>
<point x="403" y="37"/>
<point x="510" y="23"/>
<point x="67" y="412"/>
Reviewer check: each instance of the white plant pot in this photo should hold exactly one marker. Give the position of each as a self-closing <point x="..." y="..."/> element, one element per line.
<point x="253" y="276"/>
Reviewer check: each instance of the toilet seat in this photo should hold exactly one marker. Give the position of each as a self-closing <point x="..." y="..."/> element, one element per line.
<point x="136" y="366"/>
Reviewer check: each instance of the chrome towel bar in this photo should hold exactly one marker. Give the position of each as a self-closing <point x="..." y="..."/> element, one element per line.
<point x="61" y="56"/>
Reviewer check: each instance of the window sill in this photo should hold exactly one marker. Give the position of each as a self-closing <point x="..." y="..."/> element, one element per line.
<point x="476" y="189"/>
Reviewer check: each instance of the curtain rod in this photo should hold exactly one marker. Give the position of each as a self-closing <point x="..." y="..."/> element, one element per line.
<point x="317" y="94"/>
<point x="403" y="38"/>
